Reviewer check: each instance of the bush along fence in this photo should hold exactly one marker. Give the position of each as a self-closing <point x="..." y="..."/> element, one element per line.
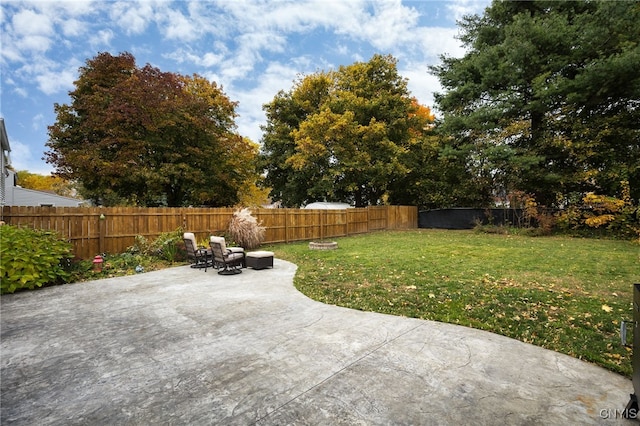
<point x="94" y="230"/>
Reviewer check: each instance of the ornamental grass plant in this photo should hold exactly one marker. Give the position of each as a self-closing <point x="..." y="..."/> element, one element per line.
<point x="245" y="230"/>
<point x="565" y="294"/>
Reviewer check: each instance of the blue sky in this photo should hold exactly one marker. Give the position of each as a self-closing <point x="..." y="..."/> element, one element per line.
<point x="253" y="48"/>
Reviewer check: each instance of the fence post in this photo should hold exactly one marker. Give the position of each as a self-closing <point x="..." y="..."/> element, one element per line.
<point x="286" y="225"/>
<point x="102" y="229"/>
<point x="368" y="218"/>
<point x="386" y="217"/>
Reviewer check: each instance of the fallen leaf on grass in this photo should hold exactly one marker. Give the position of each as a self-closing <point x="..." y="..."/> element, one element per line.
<point x="607" y="308"/>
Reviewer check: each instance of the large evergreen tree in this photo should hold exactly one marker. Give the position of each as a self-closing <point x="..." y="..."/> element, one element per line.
<point x="547" y="99"/>
<point x="140" y="136"/>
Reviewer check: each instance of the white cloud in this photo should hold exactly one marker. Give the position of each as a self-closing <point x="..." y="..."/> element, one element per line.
<point x="206" y="60"/>
<point x="10" y="50"/>
<point x="34" y="43"/>
<point x="390" y="23"/>
<point x="22" y="156"/>
<point x="179" y="27"/>
<point x="249" y="53"/>
<point x="28" y="23"/>
<point x="460" y="8"/>
<point x="341" y="49"/>
<point x="21" y="91"/>
<point x="133" y="17"/>
<point x="210" y="59"/>
<point x="436" y="41"/>
<point x="29" y="32"/>
<point x="290" y="17"/>
<point x="67" y="8"/>
<point x="207" y="19"/>
<point x="37" y="122"/>
<point x="15" y="88"/>
<point x="293" y="16"/>
<point x="276" y="77"/>
<point x="421" y="84"/>
<point x="101" y="38"/>
<point x="73" y="27"/>
<point x="51" y="81"/>
<point x="70" y="15"/>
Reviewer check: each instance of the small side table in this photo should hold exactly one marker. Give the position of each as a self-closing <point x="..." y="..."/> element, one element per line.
<point x="259" y="259"/>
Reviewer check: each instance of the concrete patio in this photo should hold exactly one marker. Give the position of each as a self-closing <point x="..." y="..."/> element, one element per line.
<point x="184" y="346"/>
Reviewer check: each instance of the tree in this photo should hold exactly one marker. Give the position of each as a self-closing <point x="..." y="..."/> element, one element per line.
<point x="434" y="177"/>
<point x="40" y="182"/>
<point x="285" y="114"/>
<point x="340" y="135"/>
<point x="547" y="98"/>
<point x="140" y="136"/>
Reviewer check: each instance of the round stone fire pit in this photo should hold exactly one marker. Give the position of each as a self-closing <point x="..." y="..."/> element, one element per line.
<point x="329" y="245"/>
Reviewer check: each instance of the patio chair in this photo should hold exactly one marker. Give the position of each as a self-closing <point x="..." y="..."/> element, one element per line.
<point x="230" y="248"/>
<point x="228" y="260"/>
<point x="199" y="256"/>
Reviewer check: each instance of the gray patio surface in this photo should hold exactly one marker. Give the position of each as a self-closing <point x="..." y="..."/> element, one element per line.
<point x="183" y="346"/>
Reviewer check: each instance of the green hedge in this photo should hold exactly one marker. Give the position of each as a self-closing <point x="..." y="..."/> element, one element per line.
<point x="32" y="258"/>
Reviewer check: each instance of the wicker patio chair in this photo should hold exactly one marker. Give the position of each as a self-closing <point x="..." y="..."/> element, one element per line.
<point x="199" y="256"/>
<point x="229" y="261"/>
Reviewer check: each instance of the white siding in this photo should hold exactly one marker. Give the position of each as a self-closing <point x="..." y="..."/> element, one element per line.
<point x="5" y="149"/>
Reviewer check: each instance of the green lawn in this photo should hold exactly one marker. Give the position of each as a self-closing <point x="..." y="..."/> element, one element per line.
<point x="561" y="293"/>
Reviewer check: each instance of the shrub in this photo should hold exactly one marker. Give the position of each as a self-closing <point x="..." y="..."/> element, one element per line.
<point x="602" y="214"/>
<point x="479" y="228"/>
<point x="32" y="258"/>
<point x="117" y="265"/>
<point x="168" y="246"/>
<point x="245" y="230"/>
<point x="542" y="217"/>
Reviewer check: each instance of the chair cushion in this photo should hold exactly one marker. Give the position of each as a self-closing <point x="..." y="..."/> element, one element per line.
<point x="192" y="237"/>
<point x="219" y="240"/>
<point x="234" y="256"/>
<point x="223" y="243"/>
<point x="260" y="254"/>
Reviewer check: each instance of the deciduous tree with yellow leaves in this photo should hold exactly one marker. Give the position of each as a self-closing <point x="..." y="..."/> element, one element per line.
<point x="343" y="135"/>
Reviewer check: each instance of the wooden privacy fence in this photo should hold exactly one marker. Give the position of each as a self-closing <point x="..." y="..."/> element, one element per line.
<point x="93" y="230"/>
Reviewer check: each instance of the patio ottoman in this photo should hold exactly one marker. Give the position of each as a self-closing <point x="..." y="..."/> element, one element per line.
<point x="259" y="259"/>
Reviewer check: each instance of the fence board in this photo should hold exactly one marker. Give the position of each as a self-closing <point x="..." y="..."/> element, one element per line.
<point x="93" y="230"/>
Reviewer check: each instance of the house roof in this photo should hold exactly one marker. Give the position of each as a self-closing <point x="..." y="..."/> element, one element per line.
<point x="323" y="205"/>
